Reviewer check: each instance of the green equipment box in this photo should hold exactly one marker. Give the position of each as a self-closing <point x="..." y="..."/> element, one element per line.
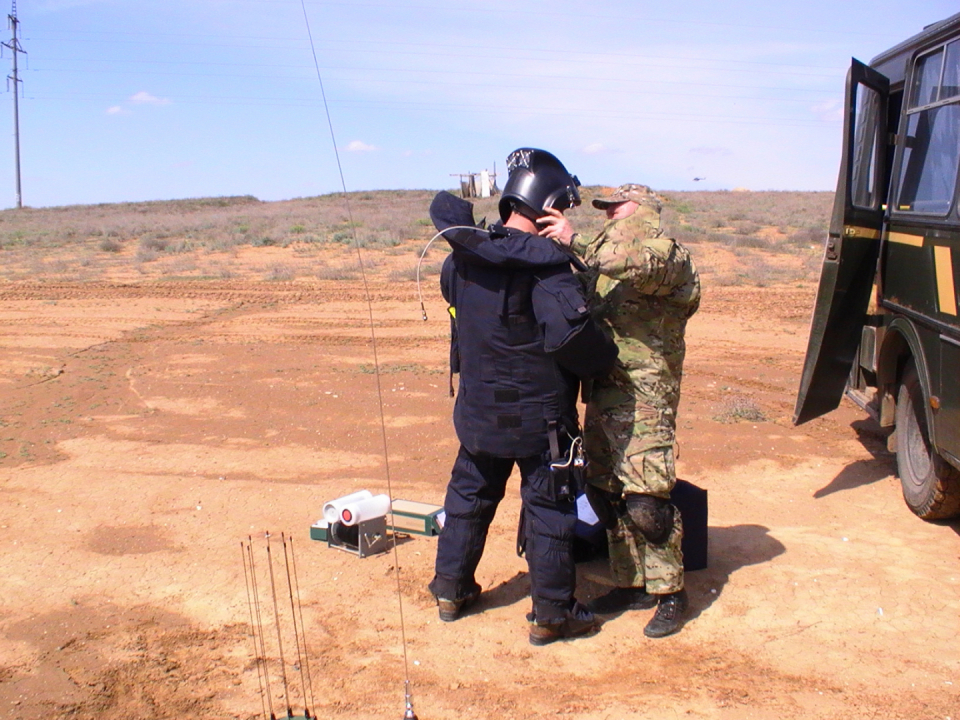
<point x="416" y="518"/>
<point x="320" y="530"/>
<point x="407" y="516"/>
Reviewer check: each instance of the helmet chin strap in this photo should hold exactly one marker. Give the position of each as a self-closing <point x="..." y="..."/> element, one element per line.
<point x="530" y="213"/>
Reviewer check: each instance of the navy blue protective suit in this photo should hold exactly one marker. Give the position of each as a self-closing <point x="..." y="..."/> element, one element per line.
<point x="522" y="340"/>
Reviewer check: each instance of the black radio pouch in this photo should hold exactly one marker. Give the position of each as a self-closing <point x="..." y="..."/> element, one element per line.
<point x="567" y="470"/>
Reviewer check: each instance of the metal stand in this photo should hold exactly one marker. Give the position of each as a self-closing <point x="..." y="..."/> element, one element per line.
<point x="367" y="537"/>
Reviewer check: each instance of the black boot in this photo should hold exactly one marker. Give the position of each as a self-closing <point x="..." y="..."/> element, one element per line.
<point x="669" y="616"/>
<point x="621" y="599"/>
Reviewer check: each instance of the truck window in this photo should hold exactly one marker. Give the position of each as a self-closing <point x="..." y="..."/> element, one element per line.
<point x="931" y="152"/>
<point x="950" y="86"/>
<point x="866" y="146"/>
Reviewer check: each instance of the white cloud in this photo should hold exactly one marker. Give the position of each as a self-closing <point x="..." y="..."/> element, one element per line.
<point x="140" y="98"/>
<point x="145" y="98"/>
<point x="829" y="111"/>
<point x="595" y="149"/>
<point x="360" y="146"/>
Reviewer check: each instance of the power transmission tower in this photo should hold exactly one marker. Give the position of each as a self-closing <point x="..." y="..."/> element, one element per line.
<point x="14" y="47"/>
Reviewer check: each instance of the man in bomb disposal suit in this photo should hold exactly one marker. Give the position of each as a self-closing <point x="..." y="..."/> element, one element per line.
<point x="645" y="288"/>
<point x="522" y="338"/>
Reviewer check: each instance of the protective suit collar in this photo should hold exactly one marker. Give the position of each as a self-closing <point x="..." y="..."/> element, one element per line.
<point x="499" y="246"/>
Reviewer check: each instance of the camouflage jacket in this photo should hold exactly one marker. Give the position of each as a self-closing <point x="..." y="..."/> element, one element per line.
<point x="643" y="287"/>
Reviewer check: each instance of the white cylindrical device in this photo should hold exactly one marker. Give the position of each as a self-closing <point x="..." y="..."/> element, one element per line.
<point x="331" y="510"/>
<point x="368" y="509"/>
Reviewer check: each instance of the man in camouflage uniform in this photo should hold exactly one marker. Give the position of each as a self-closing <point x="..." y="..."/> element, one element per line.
<point x="644" y="287"/>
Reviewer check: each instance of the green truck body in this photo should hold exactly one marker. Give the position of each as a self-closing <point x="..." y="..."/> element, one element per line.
<point x="885" y="328"/>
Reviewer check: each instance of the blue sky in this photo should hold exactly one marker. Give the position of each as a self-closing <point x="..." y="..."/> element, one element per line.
<point x="129" y="100"/>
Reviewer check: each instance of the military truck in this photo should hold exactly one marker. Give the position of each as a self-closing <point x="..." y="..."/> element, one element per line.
<point x="885" y="329"/>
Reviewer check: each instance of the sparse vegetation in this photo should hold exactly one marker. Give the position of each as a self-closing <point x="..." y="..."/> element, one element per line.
<point x="739" y="408"/>
<point x="281" y="272"/>
<point x="737" y="238"/>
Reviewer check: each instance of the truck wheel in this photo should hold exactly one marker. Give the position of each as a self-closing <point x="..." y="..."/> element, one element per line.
<point x="931" y="486"/>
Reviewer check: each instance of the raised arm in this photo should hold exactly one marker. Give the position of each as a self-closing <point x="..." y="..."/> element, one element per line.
<point x="499" y="247"/>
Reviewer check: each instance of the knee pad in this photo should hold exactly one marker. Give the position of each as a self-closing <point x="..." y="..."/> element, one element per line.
<point x="653" y="516"/>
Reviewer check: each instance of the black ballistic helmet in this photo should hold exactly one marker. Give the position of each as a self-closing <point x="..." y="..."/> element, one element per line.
<point x="537" y="180"/>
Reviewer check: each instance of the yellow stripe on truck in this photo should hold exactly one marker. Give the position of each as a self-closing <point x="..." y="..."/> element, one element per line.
<point x="946" y="291"/>
<point x="905" y="239"/>
<point x="861" y="232"/>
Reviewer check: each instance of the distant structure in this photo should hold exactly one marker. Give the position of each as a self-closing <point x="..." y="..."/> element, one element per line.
<point x="13" y="77"/>
<point x="478" y="184"/>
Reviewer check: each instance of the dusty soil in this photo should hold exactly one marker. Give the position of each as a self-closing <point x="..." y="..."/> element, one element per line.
<point x="149" y="427"/>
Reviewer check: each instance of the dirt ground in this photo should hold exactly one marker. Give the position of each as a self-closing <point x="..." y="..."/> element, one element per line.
<point x="149" y="427"/>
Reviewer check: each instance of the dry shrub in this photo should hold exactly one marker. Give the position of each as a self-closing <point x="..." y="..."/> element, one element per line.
<point x="748" y="213"/>
<point x="153" y="243"/>
<point x="145" y="255"/>
<point x="281" y="272"/>
<point x="807" y="237"/>
<point x="181" y="266"/>
<point x="406" y="274"/>
<point x="385" y="222"/>
<point x="336" y="273"/>
<point x="750" y="241"/>
<point x="739" y="408"/>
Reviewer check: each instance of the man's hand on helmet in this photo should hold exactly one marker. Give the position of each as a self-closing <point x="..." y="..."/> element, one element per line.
<point x="556" y="227"/>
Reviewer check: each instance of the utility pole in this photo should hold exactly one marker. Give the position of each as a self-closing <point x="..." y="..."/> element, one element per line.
<point x="14" y="47"/>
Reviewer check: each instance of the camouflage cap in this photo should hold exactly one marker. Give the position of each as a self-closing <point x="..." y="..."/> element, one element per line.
<point x="639" y="194"/>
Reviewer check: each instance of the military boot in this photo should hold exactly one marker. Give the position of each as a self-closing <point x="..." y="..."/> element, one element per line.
<point x="669" y="616"/>
<point x="621" y="599"/>
<point x="450" y="610"/>
<point x="577" y="622"/>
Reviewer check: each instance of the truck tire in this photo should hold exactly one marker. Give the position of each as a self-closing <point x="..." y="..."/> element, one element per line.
<point x="931" y="486"/>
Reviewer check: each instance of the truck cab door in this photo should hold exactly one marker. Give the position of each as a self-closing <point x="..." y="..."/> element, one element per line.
<point x="852" y="248"/>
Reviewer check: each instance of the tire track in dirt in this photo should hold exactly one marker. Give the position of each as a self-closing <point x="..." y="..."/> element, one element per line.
<point x="287" y="383"/>
<point x="764" y="304"/>
<point x="246" y="292"/>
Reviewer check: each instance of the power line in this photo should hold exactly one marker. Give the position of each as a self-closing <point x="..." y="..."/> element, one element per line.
<point x="437" y="49"/>
<point x="575" y="12"/>
<point x="500" y="86"/>
<point x="585" y="74"/>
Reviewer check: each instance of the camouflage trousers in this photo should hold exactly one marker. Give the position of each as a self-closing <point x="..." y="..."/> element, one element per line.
<point x="635" y="562"/>
<point x="629" y="445"/>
